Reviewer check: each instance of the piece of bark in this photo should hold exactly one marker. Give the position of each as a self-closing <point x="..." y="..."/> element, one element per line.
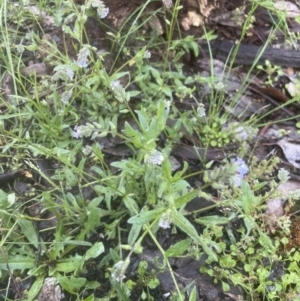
<point x="247" y="54"/>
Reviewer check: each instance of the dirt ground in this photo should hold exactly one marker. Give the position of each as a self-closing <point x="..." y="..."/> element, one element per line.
<point x="190" y="18"/>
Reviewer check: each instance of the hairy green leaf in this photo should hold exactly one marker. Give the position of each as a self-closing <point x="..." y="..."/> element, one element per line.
<point x="179" y="248"/>
<point x="28" y="230"/>
<point x="145" y="217"/>
<point x="16" y="262"/>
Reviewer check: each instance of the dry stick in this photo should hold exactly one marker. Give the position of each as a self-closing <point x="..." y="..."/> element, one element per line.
<point x="271" y="100"/>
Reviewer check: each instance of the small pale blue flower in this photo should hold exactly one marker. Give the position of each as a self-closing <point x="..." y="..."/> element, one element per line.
<point x="242" y="170"/>
<point x="82" y="63"/>
<point x="166" y="220"/>
<point x="102" y="10"/>
<point x="75" y="133"/>
<point x="119" y="270"/>
<point x="154" y="157"/>
<point x="70" y="73"/>
<point x="103" y="13"/>
<point x="242" y="166"/>
<point x="236" y="180"/>
<point x="115" y="84"/>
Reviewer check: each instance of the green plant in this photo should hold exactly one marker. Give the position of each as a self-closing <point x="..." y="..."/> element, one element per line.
<point x="249" y="260"/>
<point x="98" y="210"/>
<point x="212" y="134"/>
<point x="273" y="72"/>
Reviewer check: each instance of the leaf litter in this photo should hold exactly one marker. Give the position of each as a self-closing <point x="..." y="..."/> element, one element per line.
<point x="188" y="269"/>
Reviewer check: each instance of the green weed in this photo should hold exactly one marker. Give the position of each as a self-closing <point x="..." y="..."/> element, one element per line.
<point x="91" y="208"/>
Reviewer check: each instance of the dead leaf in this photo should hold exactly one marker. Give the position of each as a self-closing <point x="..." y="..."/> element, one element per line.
<point x="235" y="297"/>
<point x="293" y="87"/>
<point x="39" y="69"/>
<point x="192" y="19"/>
<point x="291" y="151"/>
<point x="274" y="211"/>
<point x="288" y="186"/>
<point x="50" y="291"/>
<point x="167" y="4"/>
<point x="275" y="207"/>
<point x="292" y="10"/>
<point x="155" y="24"/>
<point x="206" y="8"/>
<point x="273" y="92"/>
<point x="235" y="18"/>
<point x="47" y="20"/>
